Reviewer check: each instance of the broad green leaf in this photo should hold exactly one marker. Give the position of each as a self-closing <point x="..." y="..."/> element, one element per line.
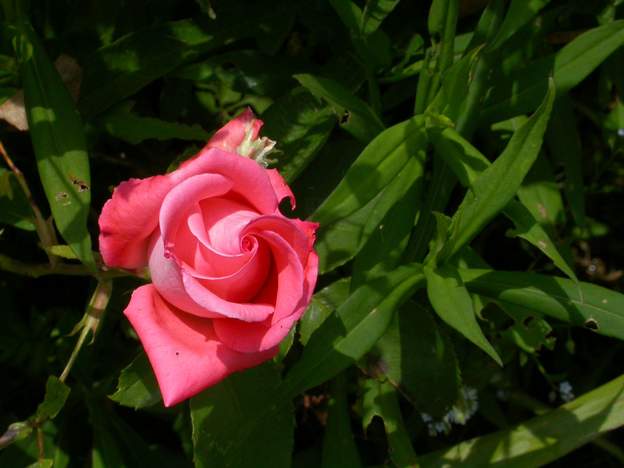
<point x="375" y="11"/>
<point x="339" y="449"/>
<point x="323" y="303"/>
<point x="498" y="184"/>
<point x="239" y="423"/>
<point x="528" y="228"/>
<point x="137" y="386"/>
<point x="349" y="13"/>
<point x="467" y="164"/>
<point x="529" y="332"/>
<point x="59" y="143"/>
<point x="344" y="337"/>
<point x="344" y="239"/>
<point x="380" y="399"/>
<point x="418" y="359"/>
<point x="451" y="301"/>
<point x="14" y="207"/>
<point x="355" y="115"/>
<point x="396" y="154"/>
<point x="543" y="439"/>
<point x="55" y="396"/>
<point x="580" y="304"/>
<point x="520" y="12"/>
<point x="522" y="90"/>
<point x="540" y="194"/>
<point x="300" y="125"/>
<point x="385" y="247"/>
<point x="134" y="129"/>
<point x="564" y="144"/>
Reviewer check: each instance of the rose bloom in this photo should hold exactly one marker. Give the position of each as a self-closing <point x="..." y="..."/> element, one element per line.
<point x="230" y="274"/>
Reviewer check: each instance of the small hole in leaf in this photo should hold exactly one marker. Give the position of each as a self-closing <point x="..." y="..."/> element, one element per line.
<point x="344" y="118"/>
<point x="591" y="324"/>
<point x="80" y="184"/>
<point x="62" y="198"/>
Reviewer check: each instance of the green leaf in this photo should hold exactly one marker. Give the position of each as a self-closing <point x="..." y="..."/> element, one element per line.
<point x="43" y="463"/>
<point x="564" y="144"/>
<point x="347" y="335"/>
<point x="135" y="129"/>
<point x="125" y="66"/>
<point x="59" y="143"/>
<point x="339" y="449"/>
<point x="137" y="386"/>
<point x="375" y="11"/>
<point x="355" y="115"/>
<point x="522" y="90"/>
<point x="349" y="13"/>
<point x="120" y="69"/>
<point x="529" y="333"/>
<point x="55" y="396"/>
<point x="349" y="215"/>
<point x="381" y="400"/>
<point x="239" y="423"/>
<point x="451" y="301"/>
<point x="14" y="207"/>
<point x="580" y="304"/>
<point x="323" y="303"/>
<point x="385" y="247"/>
<point x="300" y="125"/>
<point x="519" y="14"/>
<point x="543" y="439"/>
<point x="63" y="251"/>
<point x="116" y="443"/>
<point x="418" y="358"/>
<point x="527" y="228"/>
<point x="540" y="194"/>
<point x="468" y="164"/>
<point x="497" y="185"/>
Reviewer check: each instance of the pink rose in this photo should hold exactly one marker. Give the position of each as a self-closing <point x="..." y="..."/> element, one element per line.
<point x="230" y="274"/>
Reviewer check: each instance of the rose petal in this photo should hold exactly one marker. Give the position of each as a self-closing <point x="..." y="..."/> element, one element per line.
<point x="184" y="196"/>
<point x="298" y="234"/>
<point x="290" y="294"/>
<point x="129" y="218"/>
<point x="184" y="352"/>
<point x="187" y="293"/>
<point x="223" y="221"/>
<point x="232" y="134"/>
<point x="248" y="178"/>
<point x="282" y="190"/>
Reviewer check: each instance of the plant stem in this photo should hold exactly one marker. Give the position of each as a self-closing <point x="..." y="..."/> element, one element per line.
<point x="44" y="230"/>
<point x="35" y="270"/>
<point x="91" y="320"/>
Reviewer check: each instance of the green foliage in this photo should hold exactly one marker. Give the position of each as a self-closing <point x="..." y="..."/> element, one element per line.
<point x="463" y="161"/>
<point x="238" y="423"/>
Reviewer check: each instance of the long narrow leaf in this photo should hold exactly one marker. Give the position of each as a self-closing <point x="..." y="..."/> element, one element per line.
<point x="543" y="439"/>
<point x="59" y="143"/>
<point x="498" y="184"/>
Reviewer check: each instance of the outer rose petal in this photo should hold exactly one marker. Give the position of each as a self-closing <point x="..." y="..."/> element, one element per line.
<point x="129" y="218"/>
<point x="232" y="134"/>
<point x="184" y="352"/>
<point x="282" y="190"/>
